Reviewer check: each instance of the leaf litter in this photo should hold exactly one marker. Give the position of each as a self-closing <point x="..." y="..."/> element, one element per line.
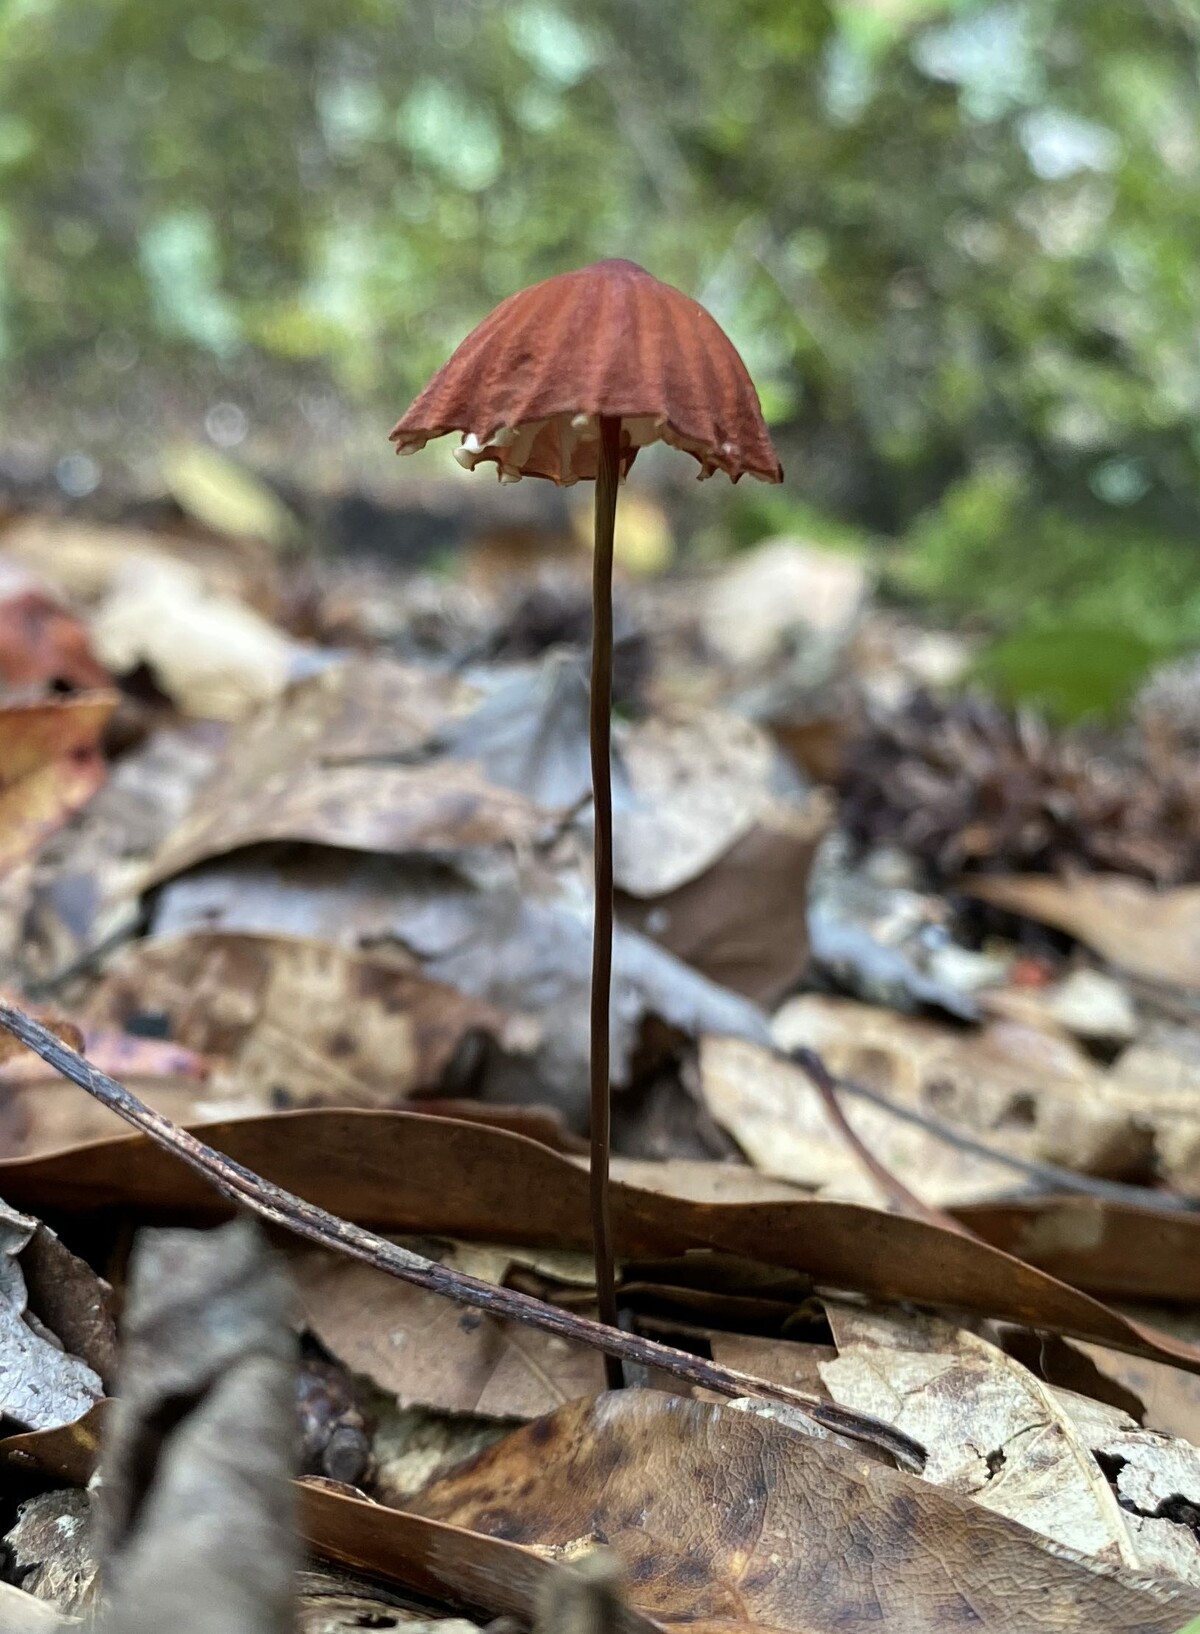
<point x="371" y="892"/>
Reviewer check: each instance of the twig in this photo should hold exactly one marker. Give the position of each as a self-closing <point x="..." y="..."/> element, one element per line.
<point x="906" y="1201"/>
<point x="282" y="1208"/>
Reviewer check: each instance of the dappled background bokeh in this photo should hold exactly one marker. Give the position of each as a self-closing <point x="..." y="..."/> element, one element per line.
<point x="958" y="244"/>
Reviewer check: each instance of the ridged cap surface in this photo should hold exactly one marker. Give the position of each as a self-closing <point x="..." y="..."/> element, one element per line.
<point x="527" y="387"/>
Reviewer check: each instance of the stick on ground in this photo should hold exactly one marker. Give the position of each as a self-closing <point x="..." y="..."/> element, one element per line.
<point x="283" y="1208"/>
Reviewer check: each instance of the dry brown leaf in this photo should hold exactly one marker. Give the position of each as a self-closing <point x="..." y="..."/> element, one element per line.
<point x="40" y="641"/>
<point x="441" y="1563"/>
<point x="728" y="1520"/>
<point x="1018" y="1088"/>
<point x="777" y="1118"/>
<point x="697" y="784"/>
<point x="744" y="921"/>
<point x="465" y="1180"/>
<point x="46" y="1115"/>
<point x="1151" y="933"/>
<point x="50" y="766"/>
<point x="85" y="890"/>
<point x="993" y="1431"/>
<point x="299" y="1021"/>
<point x="1116" y="1250"/>
<point x="427" y="1352"/>
<point x="320" y="765"/>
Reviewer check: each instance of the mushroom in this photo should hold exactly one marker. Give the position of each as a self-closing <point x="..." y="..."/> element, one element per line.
<point x="567" y="380"/>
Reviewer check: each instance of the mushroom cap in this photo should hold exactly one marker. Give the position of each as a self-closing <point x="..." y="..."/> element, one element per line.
<point x="528" y="385"/>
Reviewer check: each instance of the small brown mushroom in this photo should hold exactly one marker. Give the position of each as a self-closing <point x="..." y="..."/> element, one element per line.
<point x="567" y="380"/>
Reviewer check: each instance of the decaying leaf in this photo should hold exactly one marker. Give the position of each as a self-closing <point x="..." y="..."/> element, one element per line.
<point x="779" y="597"/>
<point x="295" y="1021"/>
<point x="213" y="656"/>
<point x="1156" y="1479"/>
<point x="41" y="1386"/>
<point x="54" y="1551"/>
<point x="50" y="766"/>
<point x="41" y="643"/>
<point x="729" y="1520"/>
<point x="994" y="1432"/>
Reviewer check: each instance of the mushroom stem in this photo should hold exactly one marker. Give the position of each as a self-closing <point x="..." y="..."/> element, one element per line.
<point x="600" y="738"/>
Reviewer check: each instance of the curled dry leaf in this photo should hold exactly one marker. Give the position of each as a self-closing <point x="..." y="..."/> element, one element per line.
<point x="730" y="1520"/>
<point x="465" y="1180"/>
<point x="41" y="1386"/>
<point x="50" y="766"/>
<point x="744" y="922"/>
<point x="296" y="1021"/>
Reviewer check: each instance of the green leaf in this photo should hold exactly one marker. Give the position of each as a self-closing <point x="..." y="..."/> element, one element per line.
<point x="1069" y="671"/>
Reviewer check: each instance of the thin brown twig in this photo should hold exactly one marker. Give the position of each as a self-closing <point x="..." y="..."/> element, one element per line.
<point x="283" y="1208"/>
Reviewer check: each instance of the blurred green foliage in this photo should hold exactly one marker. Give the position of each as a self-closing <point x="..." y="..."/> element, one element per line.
<point x="958" y="243"/>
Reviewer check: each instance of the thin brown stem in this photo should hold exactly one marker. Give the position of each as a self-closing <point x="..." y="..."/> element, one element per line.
<point x="600" y="737"/>
<point x="283" y="1208"/>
